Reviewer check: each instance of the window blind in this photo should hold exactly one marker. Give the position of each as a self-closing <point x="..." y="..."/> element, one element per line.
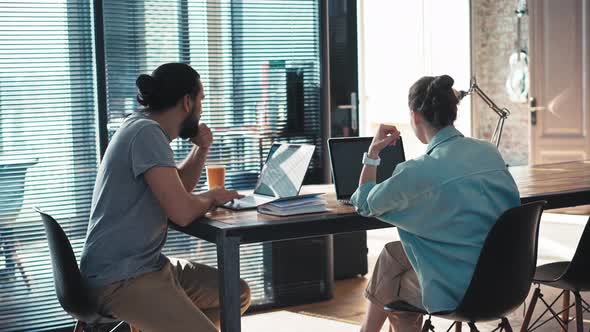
<point x="48" y="154"/>
<point x="259" y="63"/>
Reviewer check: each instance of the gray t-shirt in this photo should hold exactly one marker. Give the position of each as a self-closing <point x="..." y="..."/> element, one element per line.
<point x="127" y="228"/>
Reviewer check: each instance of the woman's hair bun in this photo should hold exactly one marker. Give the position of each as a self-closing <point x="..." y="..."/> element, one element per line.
<point x="434" y="98"/>
<point x="147" y="87"/>
<point x="443" y="82"/>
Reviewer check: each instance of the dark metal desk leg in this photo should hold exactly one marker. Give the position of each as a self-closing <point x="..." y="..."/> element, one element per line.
<point x="228" y="262"/>
<point x="329" y="266"/>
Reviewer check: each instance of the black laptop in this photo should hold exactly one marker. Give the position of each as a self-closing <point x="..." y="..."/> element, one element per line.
<point x="346" y="155"/>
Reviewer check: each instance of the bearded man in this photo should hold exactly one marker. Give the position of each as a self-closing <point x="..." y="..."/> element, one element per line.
<point x="139" y="187"/>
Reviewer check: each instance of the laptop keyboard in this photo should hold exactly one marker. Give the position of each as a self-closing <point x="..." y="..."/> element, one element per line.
<point x="247" y="202"/>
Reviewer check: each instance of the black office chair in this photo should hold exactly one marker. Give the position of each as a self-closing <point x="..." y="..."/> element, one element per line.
<point x="72" y="293"/>
<point x="8" y="249"/>
<point x="573" y="276"/>
<point x="12" y="189"/>
<point x="503" y="274"/>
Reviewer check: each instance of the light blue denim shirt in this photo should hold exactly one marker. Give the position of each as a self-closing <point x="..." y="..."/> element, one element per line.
<point x="443" y="203"/>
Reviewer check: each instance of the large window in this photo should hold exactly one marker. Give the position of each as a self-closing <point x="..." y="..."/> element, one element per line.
<point x="48" y="155"/>
<point x="399" y="42"/>
<point x="259" y="64"/>
<point x="258" y="60"/>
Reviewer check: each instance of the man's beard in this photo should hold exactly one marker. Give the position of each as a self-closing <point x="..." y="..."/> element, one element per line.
<point x="189" y="126"/>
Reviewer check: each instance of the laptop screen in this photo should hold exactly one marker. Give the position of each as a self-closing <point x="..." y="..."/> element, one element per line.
<point x="346" y="155"/>
<point x="284" y="170"/>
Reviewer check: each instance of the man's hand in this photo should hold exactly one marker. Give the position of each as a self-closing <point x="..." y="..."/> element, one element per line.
<point x="386" y="135"/>
<point x="204" y="138"/>
<point x="220" y="196"/>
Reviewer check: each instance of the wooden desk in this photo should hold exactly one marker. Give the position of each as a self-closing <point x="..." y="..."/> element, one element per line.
<point x="562" y="185"/>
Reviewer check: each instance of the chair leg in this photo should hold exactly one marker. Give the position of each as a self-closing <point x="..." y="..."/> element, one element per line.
<point x="458" y="326"/>
<point x="79" y="326"/>
<point x="506" y="325"/>
<point x="529" y="312"/>
<point x="472" y="327"/>
<point x="565" y="316"/>
<point x="427" y="325"/>
<point x="21" y="269"/>
<point x="579" y="312"/>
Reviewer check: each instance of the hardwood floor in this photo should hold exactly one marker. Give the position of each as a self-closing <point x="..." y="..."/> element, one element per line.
<point x="559" y="235"/>
<point x="348" y="304"/>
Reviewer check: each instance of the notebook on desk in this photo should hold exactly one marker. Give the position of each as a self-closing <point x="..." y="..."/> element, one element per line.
<point x="281" y="176"/>
<point x="304" y="204"/>
<point x="346" y="155"/>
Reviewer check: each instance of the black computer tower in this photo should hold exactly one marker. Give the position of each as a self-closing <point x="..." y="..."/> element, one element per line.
<point x="301" y="270"/>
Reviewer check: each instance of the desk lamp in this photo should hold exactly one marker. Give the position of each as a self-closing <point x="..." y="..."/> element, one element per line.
<point x="502" y="113"/>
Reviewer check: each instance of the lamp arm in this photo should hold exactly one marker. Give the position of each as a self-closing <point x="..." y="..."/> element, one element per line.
<point x="502" y="112"/>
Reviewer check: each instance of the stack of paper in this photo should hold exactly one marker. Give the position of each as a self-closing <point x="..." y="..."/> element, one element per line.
<point x="294" y="205"/>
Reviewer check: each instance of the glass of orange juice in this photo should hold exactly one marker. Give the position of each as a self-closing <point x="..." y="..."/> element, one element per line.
<point x="216" y="176"/>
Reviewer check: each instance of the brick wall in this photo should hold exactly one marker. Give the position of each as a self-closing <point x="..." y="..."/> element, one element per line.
<point x="494" y="34"/>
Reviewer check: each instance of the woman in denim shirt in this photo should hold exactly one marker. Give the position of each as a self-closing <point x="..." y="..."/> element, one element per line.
<point x="443" y="204"/>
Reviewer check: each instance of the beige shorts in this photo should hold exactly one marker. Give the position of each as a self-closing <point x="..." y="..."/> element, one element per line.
<point x="182" y="296"/>
<point x="394" y="278"/>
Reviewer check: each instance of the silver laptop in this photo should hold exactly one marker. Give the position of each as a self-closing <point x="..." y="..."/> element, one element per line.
<point x="281" y="176"/>
<point x="346" y="156"/>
